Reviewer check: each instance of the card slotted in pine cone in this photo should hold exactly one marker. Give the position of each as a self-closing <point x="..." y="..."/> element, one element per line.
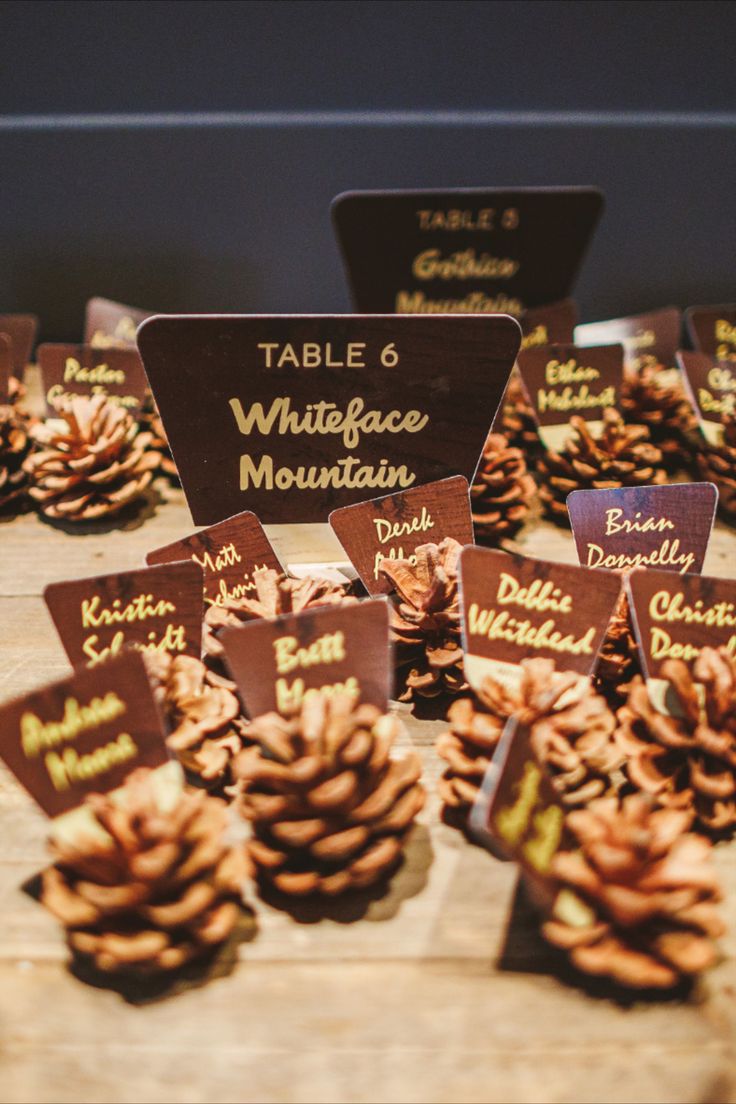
<point x="329" y="807"/>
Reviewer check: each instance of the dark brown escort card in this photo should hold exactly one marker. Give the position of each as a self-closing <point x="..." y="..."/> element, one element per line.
<point x="621" y="528"/>
<point x="711" y="385"/>
<point x="84" y="734"/>
<point x="564" y="380"/>
<point x="464" y="250"/>
<point x="293" y="417"/>
<point x="550" y="325"/>
<point x="152" y="609"/>
<point x="6" y="366"/>
<point x="514" y="608"/>
<point x="712" y="330"/>
<point x="83" y="370"/>
<point x="22" y="330"/>
<point x="111" y="325"/>
<point x="651" y="338"/>
<point x="228" y="554"/>
<point x="276" y="662"/>
<point x="394" y="526"/>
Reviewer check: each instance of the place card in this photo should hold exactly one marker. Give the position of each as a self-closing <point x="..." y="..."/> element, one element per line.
<point x="153" y="609"/>
<point x="297" y="416"/>
<point x="276" y="662"/>
<point x="69" y="370"/>
<point x="22" y="330"/>
<point x="648" y="339"/>
<point x="712" y="330"/>
<point x="550" y="325"/>
<point x="396" y="525"/>
<point x="564" y="380"/>
<point x="83" y="734"/>
<point x="514" y="608"/>
<point x="621" y="528"/>
<point x="463" y="250"/>
<point x="111" y="325"/>
<point x="711" y="386"/>
<point x="228" y="554"/>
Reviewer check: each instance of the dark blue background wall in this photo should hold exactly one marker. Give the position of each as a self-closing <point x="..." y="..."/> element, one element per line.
<point x="183" y="155"/>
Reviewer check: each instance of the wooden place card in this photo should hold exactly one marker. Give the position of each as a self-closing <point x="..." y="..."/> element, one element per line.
<point x="84" y="734"/>
<point x="276" y="663"/>
<point x="22" y="330"/>
<point x="111" y="325"/>
<point x="394" y="526"/>
<point x="464" y="250"/>
<point x="228" y="554"/>
<point x="550" y="325"/>
<point x="621" y="528"/>
<point x="712" y="330"/>
<point x="293" y="417"/>
<point x="514" y="608"/>
<point x="69" y="370"/>
<point x="674" y="617"/>
<point x="564" y="380"/>
<point x="6" y="367"/>
<point x="651" y="338"/>
<point x="152" y="609"/>
<point x="711" y="385"/>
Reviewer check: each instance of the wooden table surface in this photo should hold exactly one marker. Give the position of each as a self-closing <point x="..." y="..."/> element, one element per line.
<point x="439" y="990"/>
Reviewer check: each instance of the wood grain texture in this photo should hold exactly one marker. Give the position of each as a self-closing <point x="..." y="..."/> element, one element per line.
<point x="426" y="993"/>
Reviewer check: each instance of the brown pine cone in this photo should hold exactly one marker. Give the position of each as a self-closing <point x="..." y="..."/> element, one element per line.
<point x="502" y="491"/>
<point x="622" y="456"/>
<point x="638" y="902"/>
<point x="330" y="809"/>
<point x="717" y="464"/>
<point x="149" y="421"/>
<point x="664" y="409"/>
<point x="515" y="418"/>
<point x="424" y="622"/>
<point x="618" y="659"/>
<point x="15" y="446"/>
<point x="571" y="732"/>
<point x="689" y="761"/>
<point x="159" y="889"/>
<point x="204" y="719"/>
<point x="92" y="461"/>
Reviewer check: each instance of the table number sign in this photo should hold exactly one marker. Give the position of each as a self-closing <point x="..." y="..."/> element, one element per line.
<point x="152" y="609"/>
<point x="564" y="380"/>
<point x="276" y="662"/>
<point x="712" y="330"/>
<point x="111" y="325"/>
<point x="297" y="416"/>
<point x="69" y="370"/>
<point x="647" y="339"/>
<point x="22" y="330"/>
<point x="228" y="554"/>
<point x="396" y="525"/>
<point x="712" y="388"/>
<point x="622" y="528"/>
<point x="465" y="250"/>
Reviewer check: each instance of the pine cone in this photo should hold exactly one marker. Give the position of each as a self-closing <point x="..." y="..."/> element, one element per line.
<point x="664" y="409"/>
<point x="15" y="447"/>
<point x="503" y="489"/>
<point x="330" y="809"/>
<point x="622" y="456"/>
<point x="571" y="732"/>
<point x="717" y="464"/>
<point x="686" y="762"/>
<point x="161" y="888"/>
<point x="204" y="720"/>
<point x="424" y="620"/>
<point x="639" y="897"/>
<point x="92" y="463"/>
<point x="618" y="659"/>
<point x="515" y="418"/>
<point x="149" y="421"/>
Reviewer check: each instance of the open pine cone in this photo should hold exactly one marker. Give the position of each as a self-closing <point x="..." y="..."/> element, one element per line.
<point x="501" y="492"/>
<point x="515" y="418"/>
<point x="15" y="446"/>
<point x="92" y="461"/>
<point x="571" y="732"/>
<point x="622" y="456"/>
<point x="160" y="889"/>
<point x="639" y="897"/>
<point x="717" y="464"/>
<point x="686" y="762"/>
<point x="424" y="622"/>
<point x="203" y="719"/>
<point x="618" y="659"/>
<point x="330" y="809"/>
<point x="149" y="421"/>
<point x="663" y="408"/>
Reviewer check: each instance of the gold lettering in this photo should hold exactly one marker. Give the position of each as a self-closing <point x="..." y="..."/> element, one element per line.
<point x="36" y="735"/>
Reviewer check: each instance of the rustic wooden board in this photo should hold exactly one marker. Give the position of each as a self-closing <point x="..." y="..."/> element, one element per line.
<point x="427" y="993"/>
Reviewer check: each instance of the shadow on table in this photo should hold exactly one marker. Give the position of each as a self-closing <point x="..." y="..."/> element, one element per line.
<point x="130" y="517"/>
